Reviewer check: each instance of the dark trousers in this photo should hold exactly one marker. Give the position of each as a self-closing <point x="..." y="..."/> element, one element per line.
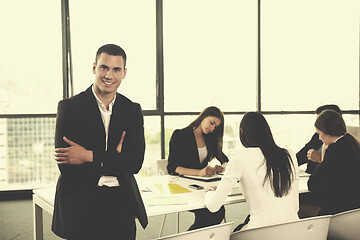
<point x="311" y="198"/>
<point x="310" y="204"/>
<point x="111" y="219"/>
<point x="205" y="218"/>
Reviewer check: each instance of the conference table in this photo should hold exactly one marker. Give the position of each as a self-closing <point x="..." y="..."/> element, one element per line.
<point x="161" y="195"/>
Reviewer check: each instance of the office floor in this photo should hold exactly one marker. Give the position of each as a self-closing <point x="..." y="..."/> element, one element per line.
<point x="16" y="221"/>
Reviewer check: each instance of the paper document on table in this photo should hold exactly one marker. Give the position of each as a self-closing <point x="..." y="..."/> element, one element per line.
<point x="176" y="188"/>
<point x="165" y="200"/>
<point x="170" y="188"/>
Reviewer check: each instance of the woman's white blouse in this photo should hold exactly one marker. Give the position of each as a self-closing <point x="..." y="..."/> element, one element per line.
<point x="248" y="167"/>
<point x="203" y="152"/>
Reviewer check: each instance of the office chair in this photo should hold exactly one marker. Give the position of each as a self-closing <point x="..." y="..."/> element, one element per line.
<point x="162" y="167"/>
<point x="314" y="228"/>
<point x="345" y="226"/>
<point x="215" y="232"/>
<point x="354" y="130"/>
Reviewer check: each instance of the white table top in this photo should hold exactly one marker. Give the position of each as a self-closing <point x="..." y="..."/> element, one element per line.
<point x="180" y="201"/>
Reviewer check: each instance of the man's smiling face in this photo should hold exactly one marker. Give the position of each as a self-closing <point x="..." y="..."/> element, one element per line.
<point x="109" y="72"/>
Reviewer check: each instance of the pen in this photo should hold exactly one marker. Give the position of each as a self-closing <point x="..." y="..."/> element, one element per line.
<point x="146" y="190"/>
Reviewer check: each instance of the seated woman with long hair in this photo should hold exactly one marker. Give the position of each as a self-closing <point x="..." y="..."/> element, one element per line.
<point x="192" y="148"/>
<point x="335" y="183"/>
<point x="267" y="174"/>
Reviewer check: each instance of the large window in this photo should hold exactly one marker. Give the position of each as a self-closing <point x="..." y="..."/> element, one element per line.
<point x="27" y="153"/>
<point x="210" y="55"/>
<point x="310" y="54"/>
<point x="31" y="83"/>
<point x="152" y="140"/>
<point x="30" y="64"/>
<point x="300" y="55"/>
<point x="130" y="24"/>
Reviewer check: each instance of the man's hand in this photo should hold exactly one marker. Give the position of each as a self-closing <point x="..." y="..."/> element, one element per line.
<point x="207" y="171"/>
<point x="314" y="155"/>
<point x="119" y="146"/>
<point x="219" y="169"/>
<point x="75" y="154"/>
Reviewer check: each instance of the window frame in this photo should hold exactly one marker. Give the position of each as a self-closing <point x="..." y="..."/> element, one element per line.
<point x="159" y="110"/>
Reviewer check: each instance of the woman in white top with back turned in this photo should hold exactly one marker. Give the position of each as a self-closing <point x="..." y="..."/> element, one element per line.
<point x="267" y="174"/>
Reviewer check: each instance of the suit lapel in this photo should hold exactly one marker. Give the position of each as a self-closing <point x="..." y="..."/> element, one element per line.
<point x="117" y="124"/>
<point x="92" y="116"/>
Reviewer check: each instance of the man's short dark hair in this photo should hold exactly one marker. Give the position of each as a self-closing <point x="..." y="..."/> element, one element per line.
<point x="328" y="107"/>
<point x="111" y="49"/>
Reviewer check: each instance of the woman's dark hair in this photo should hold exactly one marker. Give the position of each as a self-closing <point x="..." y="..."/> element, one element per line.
<point x="331" y="123"/>
<point x="255" y="132"/>
<point x="213" y="140"/>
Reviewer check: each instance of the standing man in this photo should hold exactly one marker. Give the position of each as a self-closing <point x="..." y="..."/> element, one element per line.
<point x="100" y="144"/>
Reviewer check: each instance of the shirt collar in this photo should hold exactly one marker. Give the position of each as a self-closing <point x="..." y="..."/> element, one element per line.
<point x="101" y="104"/>
<point x="339" y="138"/>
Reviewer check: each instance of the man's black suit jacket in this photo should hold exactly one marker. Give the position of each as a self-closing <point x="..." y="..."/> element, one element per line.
<point x="314" y="143"/>
<point x="79" y="119"/>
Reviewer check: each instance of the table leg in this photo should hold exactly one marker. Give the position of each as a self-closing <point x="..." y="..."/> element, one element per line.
<point x="162" y="225"/>
<point x="177" y="222"/>
<point x="38" y="222"/>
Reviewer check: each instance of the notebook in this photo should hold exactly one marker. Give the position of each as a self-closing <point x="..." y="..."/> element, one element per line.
<point x="204" y="179"/>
